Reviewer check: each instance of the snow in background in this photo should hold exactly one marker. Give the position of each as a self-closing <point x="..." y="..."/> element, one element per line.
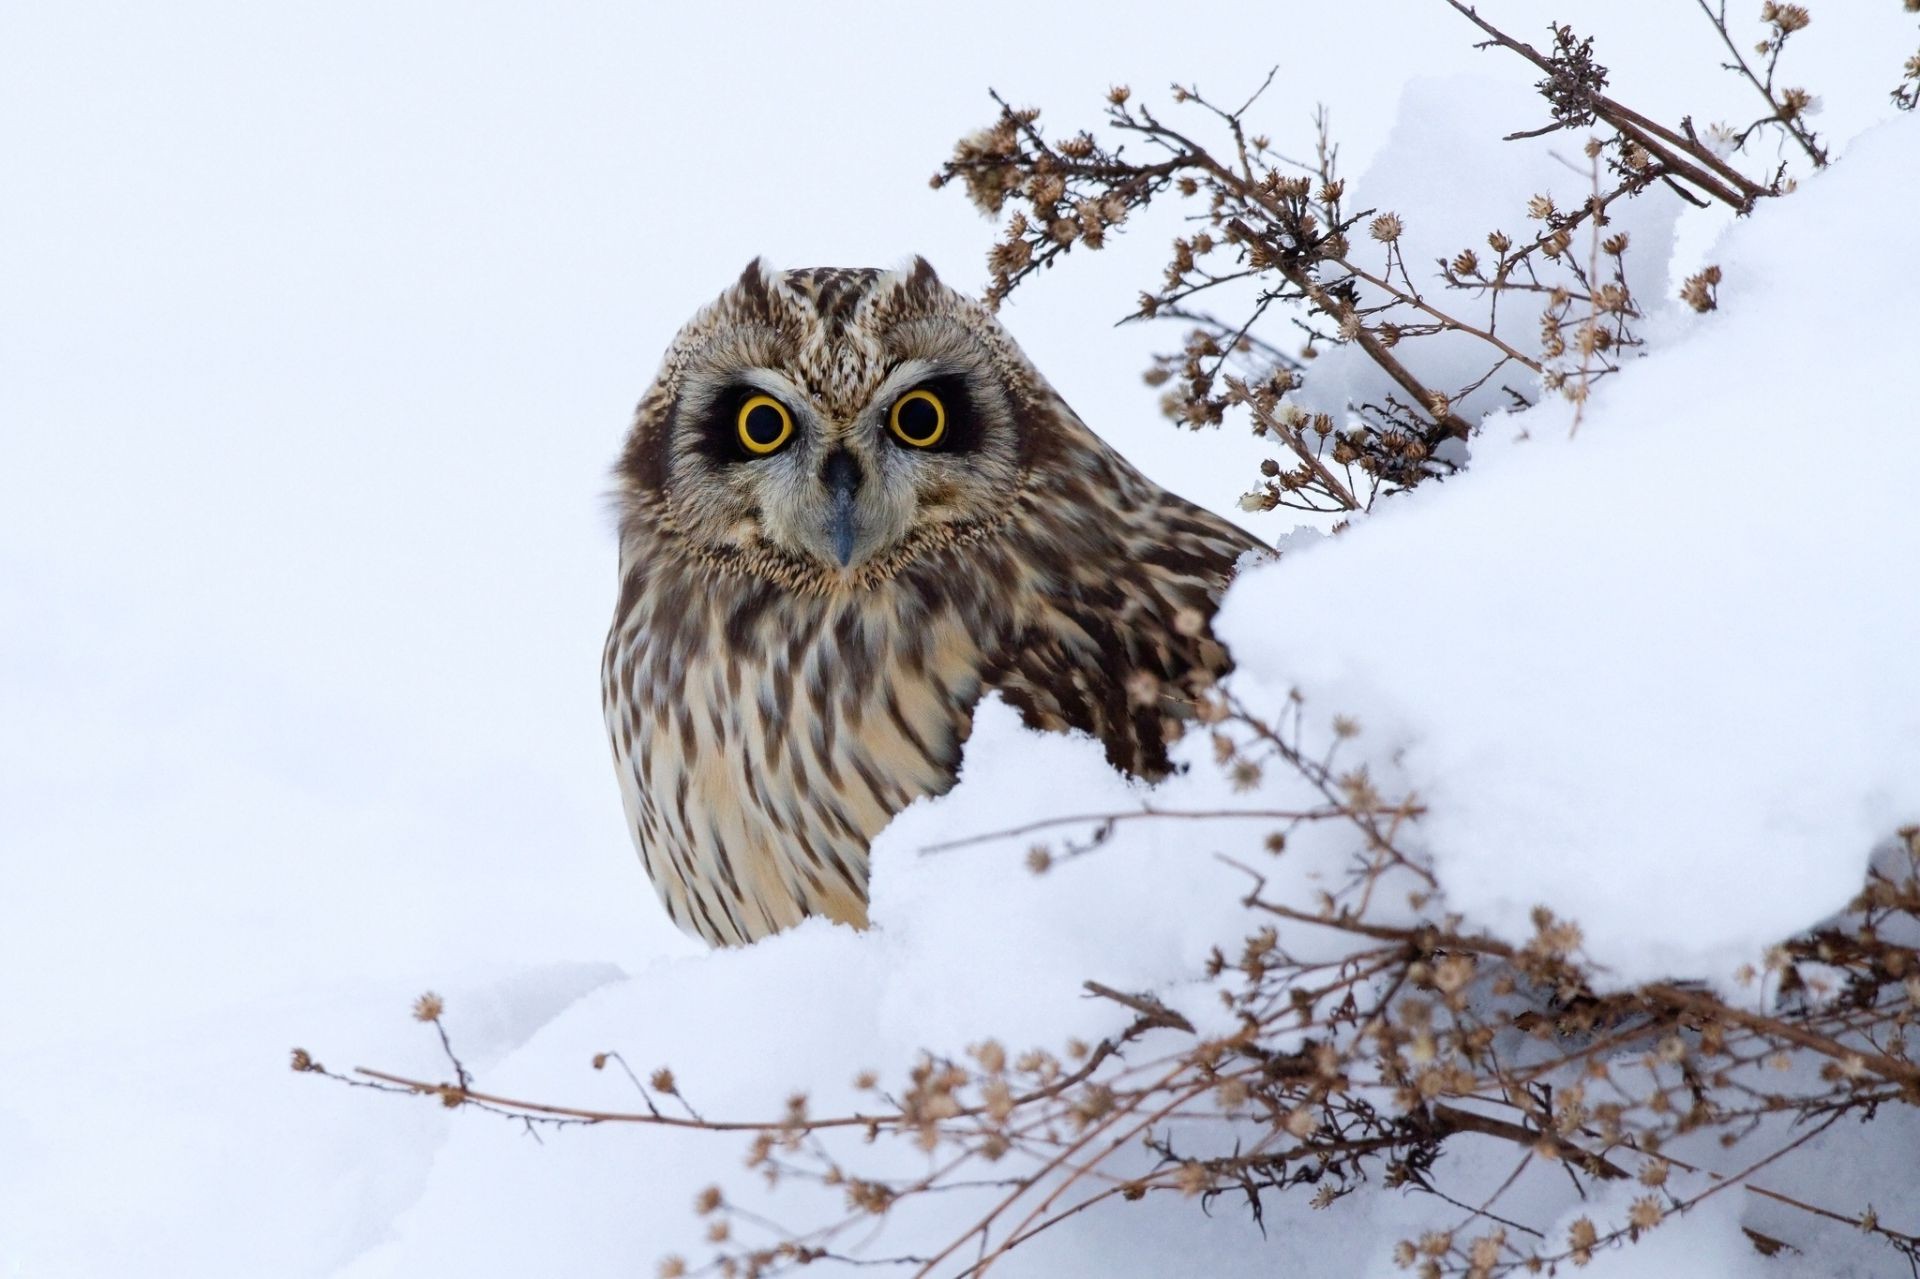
<point x="318" y="331"/>
<point x="1441" y="141"/>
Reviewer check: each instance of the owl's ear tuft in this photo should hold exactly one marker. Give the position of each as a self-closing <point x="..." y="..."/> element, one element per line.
<point x="753" y="282"/>
<point x="921" y="277"/>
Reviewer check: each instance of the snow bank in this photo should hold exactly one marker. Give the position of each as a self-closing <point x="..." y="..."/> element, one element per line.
<point x="302" y="587"/>
<point x="969" y="944"/>
<point x="1652" y="677"/>
<point x="1659" y="677"/>
<point x="1450" y="178"/>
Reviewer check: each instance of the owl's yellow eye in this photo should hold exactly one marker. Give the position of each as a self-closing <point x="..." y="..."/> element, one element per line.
<point x="763" y="425"/>
<point x="918" y="418"/>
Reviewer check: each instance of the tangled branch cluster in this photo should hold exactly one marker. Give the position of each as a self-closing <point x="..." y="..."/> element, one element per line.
<point x="1347" y="1065"/>
<point x="1369" y="1029"/>
<point x="1321" y="273"/>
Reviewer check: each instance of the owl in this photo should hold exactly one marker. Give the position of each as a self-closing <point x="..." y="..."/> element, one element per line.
<point x="848" y="507"/>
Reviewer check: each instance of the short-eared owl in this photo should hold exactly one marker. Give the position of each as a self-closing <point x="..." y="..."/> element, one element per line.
<point x="848" y="507"/>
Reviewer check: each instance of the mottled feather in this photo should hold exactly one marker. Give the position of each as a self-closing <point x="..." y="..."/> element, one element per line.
<point x="770" y="708"/>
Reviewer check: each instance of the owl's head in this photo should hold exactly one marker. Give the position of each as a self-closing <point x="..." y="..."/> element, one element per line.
<point x="831" y="425"/>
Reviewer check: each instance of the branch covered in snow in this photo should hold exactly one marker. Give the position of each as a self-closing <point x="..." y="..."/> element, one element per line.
<point x="1356" y="985"/>
<point x="1365" y="1036"/>
<point x="1285" y="240"/>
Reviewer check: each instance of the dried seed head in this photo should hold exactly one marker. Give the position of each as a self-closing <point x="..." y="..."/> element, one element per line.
<point x="1192" y="1179"/>
<point x="1786" y="18"/>
<point x="1386" y="228"/>
<point x="1453" y="973"/>
<point x="428" y="1007"/>
<point x="1581" y="1236"/>
<point x="1698" y="291"/>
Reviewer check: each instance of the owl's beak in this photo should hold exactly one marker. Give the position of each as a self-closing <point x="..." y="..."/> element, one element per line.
<point x="842" y="476"/>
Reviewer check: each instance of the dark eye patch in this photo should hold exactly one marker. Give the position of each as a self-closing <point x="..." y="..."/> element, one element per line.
<point x="963" y="423"/>
<point x="716" y="432"/>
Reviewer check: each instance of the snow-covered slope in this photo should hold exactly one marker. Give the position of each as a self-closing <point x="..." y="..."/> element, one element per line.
<point x="318" y="336"/>
<point x="1657" y="677"/>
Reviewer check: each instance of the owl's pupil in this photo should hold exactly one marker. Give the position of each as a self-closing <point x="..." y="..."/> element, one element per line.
<point x="763" y="425"/>
<point x="919" y="419"/>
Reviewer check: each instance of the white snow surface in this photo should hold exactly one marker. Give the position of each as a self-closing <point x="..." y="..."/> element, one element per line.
<point x="1440" y="144"/>
<point x="1657" y="675"/>
<point x="317" y="336"/>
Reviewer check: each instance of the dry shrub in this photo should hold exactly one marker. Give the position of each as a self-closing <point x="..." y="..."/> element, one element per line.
<point x="1360" y="1070"/>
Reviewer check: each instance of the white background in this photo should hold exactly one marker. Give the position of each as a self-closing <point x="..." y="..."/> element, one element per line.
<point x="319" y="328"/>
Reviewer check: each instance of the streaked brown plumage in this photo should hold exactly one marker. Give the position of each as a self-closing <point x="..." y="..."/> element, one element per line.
<point x="801" y="636"/>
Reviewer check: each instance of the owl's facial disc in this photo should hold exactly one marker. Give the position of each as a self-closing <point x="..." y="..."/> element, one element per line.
<point x="928" y="453"/>
<point x="838" y="477"/>
<point x="849" y="510"/>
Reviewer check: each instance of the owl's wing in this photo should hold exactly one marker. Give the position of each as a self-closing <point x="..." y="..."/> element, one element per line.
<point x="1115" y="637"/>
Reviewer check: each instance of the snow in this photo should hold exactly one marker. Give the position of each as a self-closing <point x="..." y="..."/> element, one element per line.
<point x="319" y="332"/>
<point x="1447" y="136"/>
<point x="1676" y="667"/>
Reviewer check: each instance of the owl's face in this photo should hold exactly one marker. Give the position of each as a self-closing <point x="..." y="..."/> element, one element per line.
<point x="830" y="424"/>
